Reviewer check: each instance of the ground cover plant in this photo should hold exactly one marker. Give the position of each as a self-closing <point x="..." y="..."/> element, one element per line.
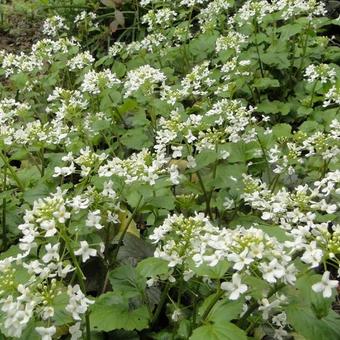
<point x="181" y="182"/>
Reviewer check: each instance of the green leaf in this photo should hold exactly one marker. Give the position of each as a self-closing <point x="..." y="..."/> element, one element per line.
<point x="204" y="44"/>
<point x="290" y="30"/>
<point x="152" y="267"/>
<point x="305" y="296"/>
<point x="20" y="80"/>
<point x="215" y="272"/>
<point x="310" y="126"/>
<point x="226" y="310"/>
<point x="184" y="329"/>
<point x="229" y="175"/>
<point x="258" y="287"/>
<point x="119" y="68"/>
<point x="137" y="139"/>
<point x="134" y="248"/>
<point x="38" y="191"/>
<point x="264" y="83"/>
<point x="282" y="130"/>
<point x="308" y="325"/>
<point x="61" y="316"/>
<point x="274" y="106"/>
<point x="165" y="202"/>
<point x="127" y="279"/>
<point x="110" y="312"/>
<point x="205" y="158"/>
<point x="223" y="331"/>
<point x="279" y="59"/>
<point x="256" y="222"/>
<point x="30" y="332"/>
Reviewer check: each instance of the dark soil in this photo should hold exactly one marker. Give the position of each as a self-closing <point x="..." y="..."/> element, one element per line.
<point x="18" y="33"/>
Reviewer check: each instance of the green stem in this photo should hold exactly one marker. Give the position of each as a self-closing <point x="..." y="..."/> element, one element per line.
<point x="265" y="158"/>
<point x="13" y="173"/>
<point x="185" y="45"/>
<point x="4" y="228"/>
<point x="106" y="279"/>
<point x="207" y="201"/>
<point x="42" y="154"/>
<point x="304" y="50"/>
<point x="272" y="185"/>
<point x="313" y="93"/>
<point x="325" y="167"/>
<point x="33" y="159"/>
<point x="81" y="279"/>
<point x="212" y="303"/>
<point x="257" y="50"/>
<point x="243" y="321"/>
<point x="121" y="238"/>
<point x="161" y="304"/>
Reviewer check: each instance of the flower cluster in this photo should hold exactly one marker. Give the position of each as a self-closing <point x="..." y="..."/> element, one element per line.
<point x="54" y="25"/>
<point x="143" y="167"/>
<point x="249" y="250"/>
<point x="143" y="77"/>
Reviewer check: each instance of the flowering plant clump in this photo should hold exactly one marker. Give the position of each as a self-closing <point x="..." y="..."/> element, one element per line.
<point x="184" y="184"/>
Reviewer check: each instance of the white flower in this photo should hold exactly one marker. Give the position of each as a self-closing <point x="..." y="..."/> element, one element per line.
<point x="240" y="260"/>
<point x="64" y="171"/>
<point x="51" y="253"/>
<point x="266" y="307"/>
<point x="52" y="26"/>
<point x="280" y="320"/>
<point x="322" y="72"/>
<point x="224" y="154"/>
<point x="93" y="219"/>
<point x="49" y="226"/>
<point x="312" y="255"/>
<point x="272" y="271"/>
<point x="62" y="215"/>
<point x="47" y="312"/>
<point x="145" y="76"/>
<point x="280" y="334"/>
<point x="236" y="287"/>
<point x="78" y="302"/>
<point x="177" y="151"/>
<point x="325" y="286"/>
<point x="85" y="251"/>
<point x="75" y="331"/>
<point x="191" y="162"/>
<point x="228" y="203"/>
<point x="16" y="316"/>
<point x="46" y="333"/>
<point x="174" y="174"/>
<point x="94" y="82"/>
<point x="176" y="315"/>
<point x="80" y="61"/>
<point x="78" y="203"/>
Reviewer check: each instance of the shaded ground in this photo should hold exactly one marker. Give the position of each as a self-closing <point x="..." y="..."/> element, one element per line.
<point x="19" y="32"/>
